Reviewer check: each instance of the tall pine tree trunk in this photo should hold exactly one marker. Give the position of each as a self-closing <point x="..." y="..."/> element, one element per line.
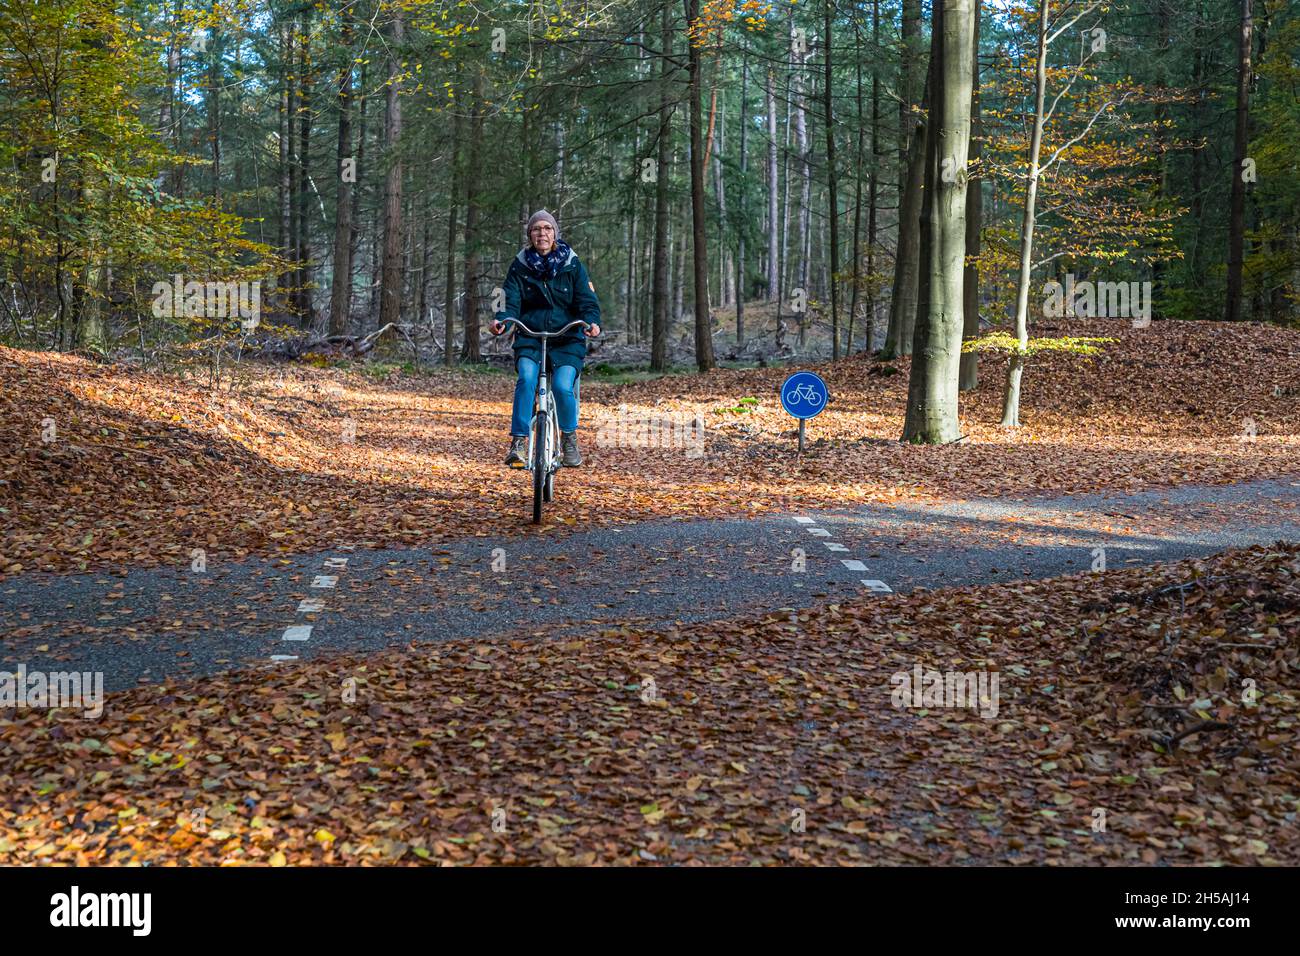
<point x="345" y="170"/>
<point x="469" y="314"/>
<point x="773" y="170"/>
<point x="805" y="196"/>
<point x="1237" y="215"/>
<point x="305" y="85"/>
<point x="869" y="320"/>
<point x="833" y="200"/>
<point x="390" y="285"/>
<point x="700" y="252"/>
<point x="856" y="292"/>
<point x="742" y="218"/>
<point x="288" y="164"/>
<point x="214" y="100"/>
<point x="449" y="293"/>
<point x="969" y="377"/>
<point x="659" y="292"/>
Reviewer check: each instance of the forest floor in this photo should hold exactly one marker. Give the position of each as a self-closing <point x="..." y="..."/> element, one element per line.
<point x="1143" y="714"/>
<point x="102" y="465"/>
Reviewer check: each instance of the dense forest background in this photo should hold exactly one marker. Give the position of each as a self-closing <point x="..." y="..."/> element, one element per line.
<point x="372" y="163"/>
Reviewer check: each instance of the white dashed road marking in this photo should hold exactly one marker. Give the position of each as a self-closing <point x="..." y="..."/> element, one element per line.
<point x="850" y="564"/>
<point x="313" y="605"/>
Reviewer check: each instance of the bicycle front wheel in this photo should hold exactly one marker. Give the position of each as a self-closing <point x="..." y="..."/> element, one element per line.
<point x="541" y="468"/>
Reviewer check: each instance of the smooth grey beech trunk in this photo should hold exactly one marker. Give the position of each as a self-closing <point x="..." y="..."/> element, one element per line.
<point x="936" y="347"/>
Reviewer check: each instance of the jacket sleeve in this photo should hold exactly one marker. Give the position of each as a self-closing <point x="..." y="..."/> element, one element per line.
<point x="513" y="290"/>
<point x="584" y="297"/>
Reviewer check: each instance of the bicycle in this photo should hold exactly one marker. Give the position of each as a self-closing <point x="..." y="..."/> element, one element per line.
<point x="803" y="393"/>
<point x="544" y="442"/>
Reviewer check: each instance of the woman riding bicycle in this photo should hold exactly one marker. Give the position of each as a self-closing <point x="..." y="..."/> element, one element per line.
<point x="546" y="288"/>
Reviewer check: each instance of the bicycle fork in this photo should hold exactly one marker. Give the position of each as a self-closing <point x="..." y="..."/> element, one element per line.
<point x="542" y="416"/>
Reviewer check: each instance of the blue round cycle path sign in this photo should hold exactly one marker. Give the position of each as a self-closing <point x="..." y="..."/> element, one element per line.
<point x="804" y="395"/>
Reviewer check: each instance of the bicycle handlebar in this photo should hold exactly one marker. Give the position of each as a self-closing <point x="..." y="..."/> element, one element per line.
<point x="544" y="335"/>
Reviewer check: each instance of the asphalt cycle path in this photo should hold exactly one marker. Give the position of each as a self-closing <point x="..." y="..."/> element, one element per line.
<point x="141" y="625"/>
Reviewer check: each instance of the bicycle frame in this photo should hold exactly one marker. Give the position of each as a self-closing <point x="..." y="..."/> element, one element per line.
<point x="544" y="416"/>
<point x="544" y="429"/>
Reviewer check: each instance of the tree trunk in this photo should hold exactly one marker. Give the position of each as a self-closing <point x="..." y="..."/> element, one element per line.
<point x="1237" y="216"/>
<point x="783" y="278"/>
<point x="773" y="170"/>
<point x="805" y="195"/>
<point x="1016" y="367"/>
<point x="869" y="321"/>
<point x="345" y="170"/>
<point x="679" y="272"/>
<point x="719" y="191"/>
<point x="214" y="100"/>
<point x="932" y="386"/>
<point x="659" y="292"/>
<point x="355" y="231"/>
<point x="700" y="252"/>
<point x="629" y="232"/>
<point x="907" y="259"/>
<point x="856" y="292"/>
<point x="469" y="314"/>
<point x="911" y="155"/>
<point x="909" y="73"/>
<point x="288" y="232"/>
<point x="390" y="286"/>
<point x="834" y="266"/>
<point x="742" y="218"/>
<point x="169" y="118"/>
<point x="306" y="81"/>
<point x="449" y="295"/>
<point x="969" y="377"/>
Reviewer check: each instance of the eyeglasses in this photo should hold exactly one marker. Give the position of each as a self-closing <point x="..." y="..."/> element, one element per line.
<point x="541" y="227"/>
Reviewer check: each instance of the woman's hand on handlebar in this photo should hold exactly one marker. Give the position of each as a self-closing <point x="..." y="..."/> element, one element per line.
<point x="497" y="327"/>
<point x="592" y="330"/>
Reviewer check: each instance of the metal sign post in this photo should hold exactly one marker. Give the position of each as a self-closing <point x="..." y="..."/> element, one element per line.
<point x="804" y="395"/>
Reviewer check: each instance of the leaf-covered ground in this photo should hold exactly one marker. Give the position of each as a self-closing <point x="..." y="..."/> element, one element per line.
<point x="1144" y="716"/>
<point x="105" y="465"/>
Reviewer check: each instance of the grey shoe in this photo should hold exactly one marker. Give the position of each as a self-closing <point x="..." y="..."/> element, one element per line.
<point x="569" y="445"/>
<point x="518" y="456"/>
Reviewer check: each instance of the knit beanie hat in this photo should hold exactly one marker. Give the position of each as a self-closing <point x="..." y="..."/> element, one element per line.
<point x="540" y="216"/>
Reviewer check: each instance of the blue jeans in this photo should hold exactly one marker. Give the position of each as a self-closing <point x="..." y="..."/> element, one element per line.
<point x="563" y="380"/>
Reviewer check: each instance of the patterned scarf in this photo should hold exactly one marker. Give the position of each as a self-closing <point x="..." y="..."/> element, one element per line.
<point x="544" y="267"/>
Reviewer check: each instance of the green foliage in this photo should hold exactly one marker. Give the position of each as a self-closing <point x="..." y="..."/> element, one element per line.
<point x="88" y="224"/>
<point x="1005" y="342"/>
<point x="743" y="406"/>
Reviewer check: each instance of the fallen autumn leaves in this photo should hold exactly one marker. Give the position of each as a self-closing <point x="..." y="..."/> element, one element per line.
<point x="145" y="468"/>
<point x="1160" y="702"/>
